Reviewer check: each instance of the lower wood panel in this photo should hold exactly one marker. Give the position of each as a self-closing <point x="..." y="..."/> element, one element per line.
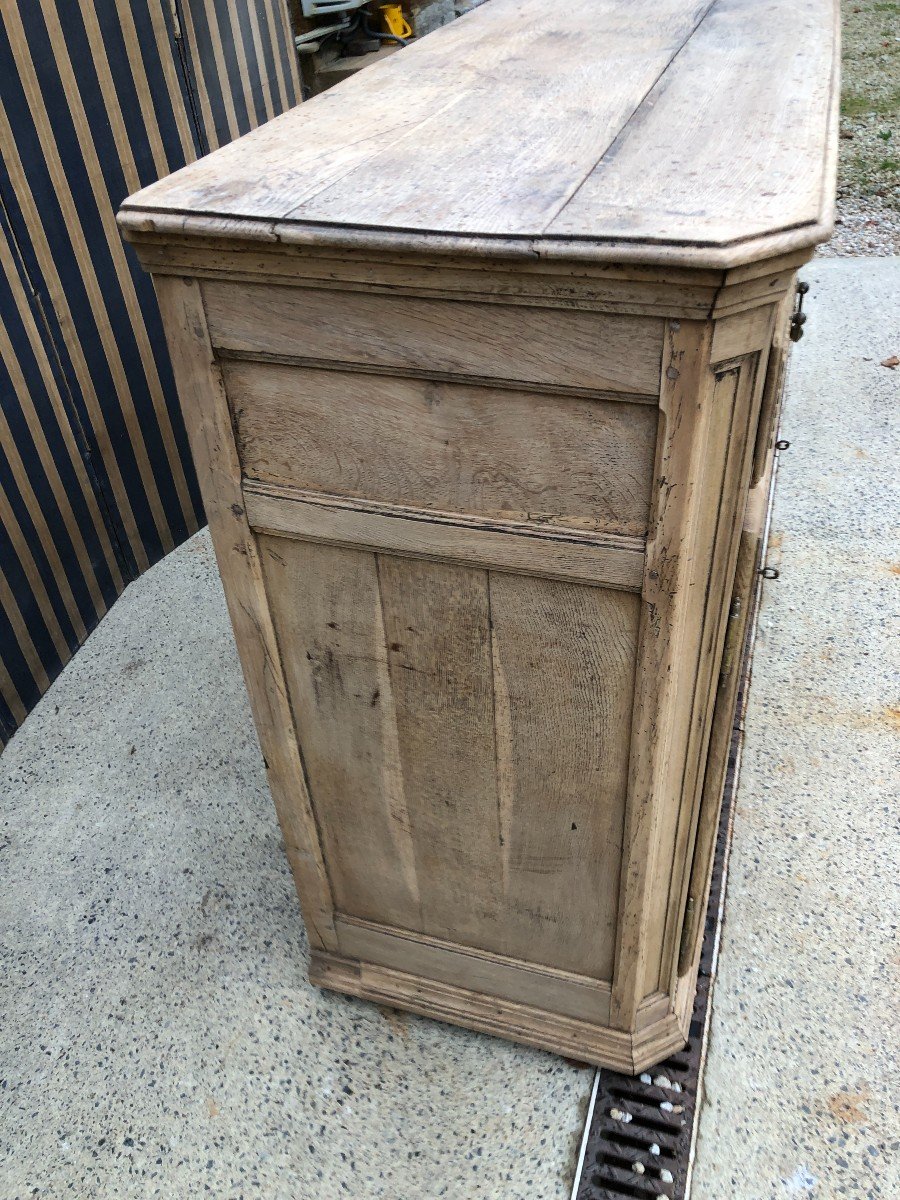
<point x="563" y="659"/>
<point x="462" y="736"/>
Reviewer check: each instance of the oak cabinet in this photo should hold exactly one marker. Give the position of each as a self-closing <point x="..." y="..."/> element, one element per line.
<point x="476" y="408"/>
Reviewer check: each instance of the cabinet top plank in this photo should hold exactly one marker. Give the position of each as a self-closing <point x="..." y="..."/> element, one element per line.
<point x="692" y="132"/>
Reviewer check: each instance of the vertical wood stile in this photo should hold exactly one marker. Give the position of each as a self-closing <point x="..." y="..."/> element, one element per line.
<point x="684" y="420"/>
<point x="736" y="616"/>
<point x="212" y="441"/>
<point x="723" y="559"/>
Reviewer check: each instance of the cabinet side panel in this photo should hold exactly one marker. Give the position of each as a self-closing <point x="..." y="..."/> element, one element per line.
<point x="208" y="422"/>
<point x="462" y="733"/>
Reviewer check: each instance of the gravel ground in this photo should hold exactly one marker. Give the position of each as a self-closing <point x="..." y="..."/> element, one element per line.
<point x="868" y="221"/>
<point x="864" y="226"/>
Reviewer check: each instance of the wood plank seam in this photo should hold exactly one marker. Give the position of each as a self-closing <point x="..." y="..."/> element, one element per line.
<point x="610" y="150"/>
<point x="407" y="854"/>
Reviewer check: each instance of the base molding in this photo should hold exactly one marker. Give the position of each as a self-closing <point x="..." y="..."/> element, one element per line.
<point x="532" y="1026"/>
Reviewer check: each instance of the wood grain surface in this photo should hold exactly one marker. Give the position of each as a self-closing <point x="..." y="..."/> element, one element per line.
<point x="485" y="766"/>
<point x="710" y="124"/>
<point x="554" y="460"/>
<point x="735" y="139"/>
<point x="594" y="351"/>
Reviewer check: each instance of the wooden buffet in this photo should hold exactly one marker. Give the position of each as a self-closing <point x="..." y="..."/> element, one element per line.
<point x="473" y="351"/>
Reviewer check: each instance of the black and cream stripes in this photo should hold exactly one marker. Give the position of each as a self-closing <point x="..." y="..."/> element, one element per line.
<point x="98" y="99"/>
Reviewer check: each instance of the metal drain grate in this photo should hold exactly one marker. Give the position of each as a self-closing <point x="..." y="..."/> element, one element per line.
<point x="639" y="1142"/>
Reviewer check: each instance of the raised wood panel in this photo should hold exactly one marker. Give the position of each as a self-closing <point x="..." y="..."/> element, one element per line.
<point x="461" y="735"/>
<point x="448" y="447"/>
<point x="563" y="689"/>
<point x="596" y="351"/>
<point x="327" y="613"/>
<point x="436" y="623"/>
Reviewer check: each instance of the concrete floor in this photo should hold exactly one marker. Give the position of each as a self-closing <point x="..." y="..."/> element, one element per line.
<point x="801" y="1088"/>
<point x="158" y="1036"/>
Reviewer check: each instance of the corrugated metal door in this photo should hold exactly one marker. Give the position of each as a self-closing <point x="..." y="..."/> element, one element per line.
<point x="98" y="99"/>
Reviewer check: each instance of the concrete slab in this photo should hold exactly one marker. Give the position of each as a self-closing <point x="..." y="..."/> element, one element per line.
<point x="158" y="1036"/>
<point x="800" y="1094"/>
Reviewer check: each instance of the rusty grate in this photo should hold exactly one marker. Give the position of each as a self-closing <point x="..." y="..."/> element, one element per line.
<point x="639" y="1141"/>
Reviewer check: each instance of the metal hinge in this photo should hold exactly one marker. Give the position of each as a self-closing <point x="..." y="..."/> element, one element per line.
<point x="798" y="319"/>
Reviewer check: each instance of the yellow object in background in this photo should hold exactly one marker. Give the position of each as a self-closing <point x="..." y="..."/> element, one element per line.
<point x="394" y="21"/>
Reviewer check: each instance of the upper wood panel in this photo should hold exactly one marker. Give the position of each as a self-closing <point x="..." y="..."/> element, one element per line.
<point x="595" y="126"/>
<point x="563" y="461"/>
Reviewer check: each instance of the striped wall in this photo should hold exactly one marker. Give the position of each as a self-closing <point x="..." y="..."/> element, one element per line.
<point x="97" y="99"/>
